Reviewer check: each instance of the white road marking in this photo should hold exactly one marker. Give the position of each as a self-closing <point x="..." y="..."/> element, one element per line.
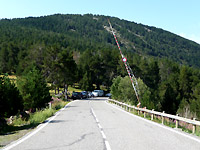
<point x="107" y="145"/>
<point x="154" y="123"/>
<point x="24" y="138"/>
<point x="103" y="135"/>
<point x="101" y="129"/>
<point x="97" y="120"/>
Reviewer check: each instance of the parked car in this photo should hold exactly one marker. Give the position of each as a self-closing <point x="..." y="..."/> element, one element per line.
<point x="90" y="95"/>
<point x="84" y="94"/>
<point x="98" y="93"/>
<point x="108" y="95"/>
<point x="76" y="95"/>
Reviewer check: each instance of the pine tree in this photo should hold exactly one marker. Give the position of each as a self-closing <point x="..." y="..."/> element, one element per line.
<point x="10" y="99"/>
<point x="33" y="89"/>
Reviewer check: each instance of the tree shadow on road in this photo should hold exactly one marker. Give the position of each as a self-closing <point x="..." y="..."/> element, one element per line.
<point x="95" y="99"/>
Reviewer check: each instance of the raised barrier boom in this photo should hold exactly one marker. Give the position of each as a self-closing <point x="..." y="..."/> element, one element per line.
<point x="128" y="68"/>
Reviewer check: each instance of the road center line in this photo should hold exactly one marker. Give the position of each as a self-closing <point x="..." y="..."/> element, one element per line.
<point x="101" y="129"/>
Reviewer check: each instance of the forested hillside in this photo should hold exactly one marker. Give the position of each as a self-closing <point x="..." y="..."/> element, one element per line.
<point x="69" y="49"/>
<point x="81" y="32"/>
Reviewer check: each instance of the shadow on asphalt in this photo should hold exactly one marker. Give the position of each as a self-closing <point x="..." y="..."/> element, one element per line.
<point x="68" y="106"/>
<point x="58" y="121"/>
<point x="94" y="99"/>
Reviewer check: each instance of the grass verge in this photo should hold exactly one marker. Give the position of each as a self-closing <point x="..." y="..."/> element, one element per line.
<point x="20" y="126"/>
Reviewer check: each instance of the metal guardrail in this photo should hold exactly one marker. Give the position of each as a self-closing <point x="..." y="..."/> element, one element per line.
<point x="163" y="115"/>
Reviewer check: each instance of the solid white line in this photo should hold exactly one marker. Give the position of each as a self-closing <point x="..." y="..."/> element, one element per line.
<point x="154" y="123"/>
<point x="24" y="138"/>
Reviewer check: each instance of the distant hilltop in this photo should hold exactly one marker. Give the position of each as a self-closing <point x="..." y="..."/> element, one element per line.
<point x="86" y="31"/>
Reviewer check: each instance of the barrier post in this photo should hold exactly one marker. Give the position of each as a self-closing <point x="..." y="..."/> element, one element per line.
<point x="152" y="115"/>
<point x="163" y="118"/>
<point x="176" y="122"/>
<point x="193" y="128"/>
<point x="49" y="105"/>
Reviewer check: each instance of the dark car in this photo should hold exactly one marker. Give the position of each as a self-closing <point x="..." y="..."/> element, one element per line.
<point x="76" y="95"/>
<point x="108" y="95"/>
<point x="84" y="94"/>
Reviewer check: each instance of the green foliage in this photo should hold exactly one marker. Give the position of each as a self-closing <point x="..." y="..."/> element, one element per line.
<point x="163" y="86"/>
<point x="58" y="105"/>
<point x="115" y="91"/>
<point x="35" y="118"/>
<point x="33" y="89"/>
<point x="79" y="48"/>
<point x="122" y="90"/>
<point x="145" y="95"/>
<point x="185" y="82"/>
<point x="10" y="99"/>
<point x="126" y="91"/>
<point x="40" y="116"/>
<point x="168" y="98"/>
<point x="86" y="82"/>
<point x="97" y="67"/>
<point x="24" y="41"/>
<point x="59" y="67"/>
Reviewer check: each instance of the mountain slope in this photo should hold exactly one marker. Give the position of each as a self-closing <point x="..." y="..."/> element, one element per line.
<point x="87" y="31"/>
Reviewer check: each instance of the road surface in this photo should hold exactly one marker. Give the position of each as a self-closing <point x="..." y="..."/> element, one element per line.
<point x="95" y="124"/>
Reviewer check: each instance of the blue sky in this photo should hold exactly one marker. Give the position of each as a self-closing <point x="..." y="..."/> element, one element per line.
<point x="181" y="17"/>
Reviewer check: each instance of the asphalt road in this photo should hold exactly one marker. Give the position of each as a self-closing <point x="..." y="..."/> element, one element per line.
<point x="96" y="125"/>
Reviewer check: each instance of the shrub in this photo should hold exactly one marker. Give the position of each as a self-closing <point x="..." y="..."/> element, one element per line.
<point x="10" y="99"/>
<point x="58" y="105"/>
<point x="34" y="90"/>
<point x="41" y="116"/>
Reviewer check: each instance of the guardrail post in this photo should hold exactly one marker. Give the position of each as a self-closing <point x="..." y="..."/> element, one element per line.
<point x="176" y="122"/>
<point x="144" y="114"/>
<point x="49" y="105"/>
<point x="152" y="115"/>
<point x="133" y="109"/>
<point x="138" y="112"/>
<point x="163" y="118"/>
<point x="193" y="128"/>
<point x="129" y="109"/>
